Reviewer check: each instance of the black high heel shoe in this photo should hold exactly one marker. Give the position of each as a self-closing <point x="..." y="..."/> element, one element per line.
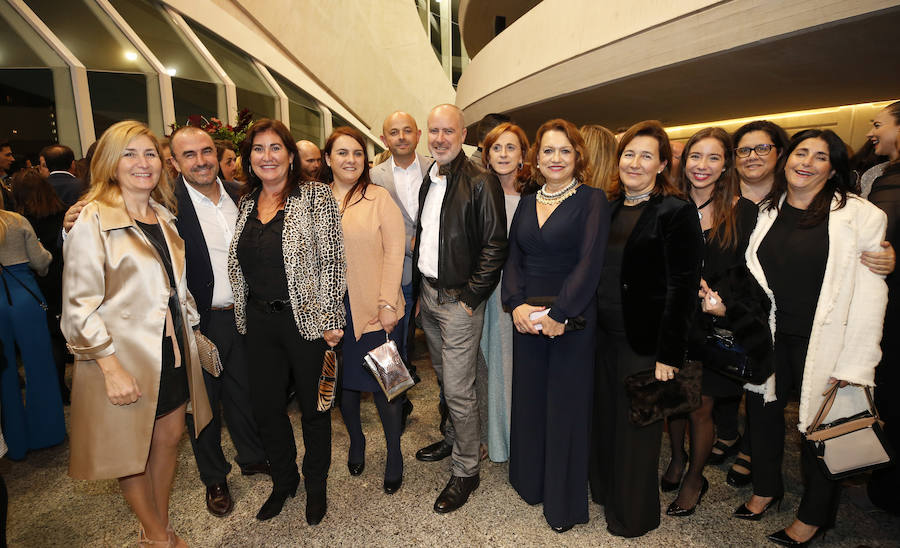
<point x="742" y="512"/>
<point x="678" y="511"/>
<point x="391" y="487"/>
<point x="782" y="538"/>
<point x="667" y="486"/>
<point x="273" y="505"/>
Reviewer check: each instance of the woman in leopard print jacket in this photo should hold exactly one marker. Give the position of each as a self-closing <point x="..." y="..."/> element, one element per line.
<point x="286" y="266"/>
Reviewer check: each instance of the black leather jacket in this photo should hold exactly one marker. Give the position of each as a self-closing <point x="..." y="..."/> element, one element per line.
<point x="472" y="236"/>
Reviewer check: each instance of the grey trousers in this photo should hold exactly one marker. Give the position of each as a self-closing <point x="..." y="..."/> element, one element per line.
<point x="454" y="340"/>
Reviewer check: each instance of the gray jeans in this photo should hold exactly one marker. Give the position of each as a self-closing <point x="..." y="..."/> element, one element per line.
<point x="454" y="340"/>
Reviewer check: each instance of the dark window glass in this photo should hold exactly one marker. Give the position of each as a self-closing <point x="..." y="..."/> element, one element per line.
<point x="27" y="110"/>
<point x="115" y="97"/>
<point x="306" y="120"/>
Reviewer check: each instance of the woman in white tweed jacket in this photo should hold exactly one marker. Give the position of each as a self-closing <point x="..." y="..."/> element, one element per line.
<point x="826" y="316"/>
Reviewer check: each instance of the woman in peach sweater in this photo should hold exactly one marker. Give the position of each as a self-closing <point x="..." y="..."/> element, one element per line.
<point x="374" y="243"/>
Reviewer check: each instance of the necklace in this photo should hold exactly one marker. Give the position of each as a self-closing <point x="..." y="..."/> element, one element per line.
<point x="638" y="197"/>
<point x="554" y="198"/>
<point x="699" y="207"/>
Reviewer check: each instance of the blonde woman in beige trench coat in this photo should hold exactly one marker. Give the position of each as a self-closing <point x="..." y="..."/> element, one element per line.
<point x="116" y="311"/>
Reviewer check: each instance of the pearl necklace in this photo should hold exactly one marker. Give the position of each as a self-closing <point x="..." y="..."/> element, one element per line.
<point x="554" y="198"/>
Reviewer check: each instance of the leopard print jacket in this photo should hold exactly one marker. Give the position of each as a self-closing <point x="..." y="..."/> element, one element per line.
<point x="313" y="246"/>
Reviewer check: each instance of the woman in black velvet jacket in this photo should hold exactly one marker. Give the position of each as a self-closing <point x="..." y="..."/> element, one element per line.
<point x="647" y="295"/>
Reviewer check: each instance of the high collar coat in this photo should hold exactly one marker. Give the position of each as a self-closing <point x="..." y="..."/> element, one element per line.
<point x="115" y="298"/>
<point x="849" y="313"/>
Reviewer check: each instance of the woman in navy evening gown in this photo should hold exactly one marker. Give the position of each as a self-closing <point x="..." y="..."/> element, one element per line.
<point x="556" y="245"/>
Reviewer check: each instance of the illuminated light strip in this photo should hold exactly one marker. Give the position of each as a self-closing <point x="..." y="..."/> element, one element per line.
<point x="780" y="115"/>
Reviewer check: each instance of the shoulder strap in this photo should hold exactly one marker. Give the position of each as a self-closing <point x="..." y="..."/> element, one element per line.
<point x="830" y="395"/>
<point x="42" y="304"/>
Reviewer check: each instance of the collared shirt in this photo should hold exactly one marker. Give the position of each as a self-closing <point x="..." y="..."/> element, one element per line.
<point x="217" y="223"/>
<point x="431" y="224"/>
<point x="408" y="182"/>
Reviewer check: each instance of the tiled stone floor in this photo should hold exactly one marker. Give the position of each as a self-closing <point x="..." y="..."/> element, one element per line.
<point x="47" y="508"/>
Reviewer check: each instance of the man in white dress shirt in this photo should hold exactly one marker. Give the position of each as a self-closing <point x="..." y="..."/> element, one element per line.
<point x="207" y="213"/>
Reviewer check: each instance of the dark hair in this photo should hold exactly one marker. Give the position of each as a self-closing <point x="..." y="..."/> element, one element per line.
<point x="893" y="109"/>
<point x="4" y="144"/>
<point x="841" y="182"/>
<point x="726" y="189"/>
<point x="328" y="176"/>
<point x="58" y="157"/>
<point x="222" y="146"/>
<point x="489" y="122"/>
<point x="774" y="131"/>
<point x="647" y="128"/>
<point x="523" y="182"/>
<point x="33" y="195"/>
<point x="863" y="159"/>
<point x="582" y="161"/>
<point x="294" y="176"/>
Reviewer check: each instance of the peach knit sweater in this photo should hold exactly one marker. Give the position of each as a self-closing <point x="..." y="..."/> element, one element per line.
<point x="374" y="245"/>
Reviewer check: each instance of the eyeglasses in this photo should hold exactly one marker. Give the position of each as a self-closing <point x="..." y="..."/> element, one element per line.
<point x="761" y="150"/>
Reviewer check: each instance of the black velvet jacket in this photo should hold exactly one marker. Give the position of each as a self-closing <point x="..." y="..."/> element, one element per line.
<point x="660" y="278"/>
<point x="472" y="240"/>
<point x="198" y="268"/>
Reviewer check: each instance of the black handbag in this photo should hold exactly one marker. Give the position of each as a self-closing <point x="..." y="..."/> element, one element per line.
<point x="653" y="400"/>
<point x="726" y="356"/>
<point x="849" y="445"/>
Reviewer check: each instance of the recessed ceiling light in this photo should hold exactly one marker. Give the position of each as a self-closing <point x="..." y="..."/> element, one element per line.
<point x="131" y="56"/>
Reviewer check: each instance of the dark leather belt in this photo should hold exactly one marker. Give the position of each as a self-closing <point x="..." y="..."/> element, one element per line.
<point x="271" y="307"/>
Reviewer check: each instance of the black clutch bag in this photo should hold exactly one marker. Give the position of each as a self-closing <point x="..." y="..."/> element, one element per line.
<point x="653" y="400"/>
<point x="725" y="355"/>
<point x="572" y="324"/>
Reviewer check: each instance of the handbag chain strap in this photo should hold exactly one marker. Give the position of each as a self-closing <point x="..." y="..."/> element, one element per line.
<point x="40" y="302"/>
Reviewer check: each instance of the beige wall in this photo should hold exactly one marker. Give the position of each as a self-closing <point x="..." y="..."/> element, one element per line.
<point x="374" y="55"/>
<point x="361" y="59"/>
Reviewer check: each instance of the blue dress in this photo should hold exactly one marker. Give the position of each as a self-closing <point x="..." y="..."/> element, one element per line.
<point x="552" y="387"/>
<point x="23" y="324"/>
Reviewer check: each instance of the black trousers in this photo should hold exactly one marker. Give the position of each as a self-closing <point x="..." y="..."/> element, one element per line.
<point x="766" y="424"/>
<point x="278" y="353"/>
<point x="229" y="396"/>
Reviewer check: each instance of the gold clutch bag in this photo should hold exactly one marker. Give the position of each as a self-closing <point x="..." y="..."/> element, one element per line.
<point x="209" y="355"/>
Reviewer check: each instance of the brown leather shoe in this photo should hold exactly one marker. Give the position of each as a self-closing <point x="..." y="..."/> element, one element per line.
<point x="456" y="493"/>
<point x="256" y="468"/>
<point x="218" y="500"/>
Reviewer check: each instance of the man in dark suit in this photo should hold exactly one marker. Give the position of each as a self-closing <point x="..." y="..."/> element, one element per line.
<point x="207" y="213"/>
<point x="59" y="161"/>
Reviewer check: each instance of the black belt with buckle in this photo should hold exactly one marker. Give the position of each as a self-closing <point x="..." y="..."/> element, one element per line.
<point x="271" y="307"/>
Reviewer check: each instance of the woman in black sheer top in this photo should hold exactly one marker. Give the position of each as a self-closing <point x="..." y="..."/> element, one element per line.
<point x="556" y="244"/>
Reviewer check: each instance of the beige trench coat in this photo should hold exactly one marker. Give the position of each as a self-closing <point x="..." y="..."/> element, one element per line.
<point x="115" y="296"/>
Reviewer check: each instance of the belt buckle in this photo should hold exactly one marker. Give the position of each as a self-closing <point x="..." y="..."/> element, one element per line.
<point x="278" y="306"/>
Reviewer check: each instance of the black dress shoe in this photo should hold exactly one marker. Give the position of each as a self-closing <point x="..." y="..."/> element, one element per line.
<point x="561" y="528"/>
<point x="678" y="511"/>
<point x="273" y="505"/>
<point x="742" y="512"/>
<point x="218" y="500"/>
<point x="407" y="411"/>
<point x="356" y="468"/>
<point x="725" y="451"/>
<point x="256" y="468"/>
<point x="438" y="450"/>
<point x="456" y="493"/>
<point x="316" y="507"/>
<point x="782" y="538"/>
<point x="391" y="487"/>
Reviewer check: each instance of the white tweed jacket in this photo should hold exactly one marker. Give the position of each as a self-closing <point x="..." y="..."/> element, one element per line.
<point x="847" y="325"/>
<point x="314" y="263"/>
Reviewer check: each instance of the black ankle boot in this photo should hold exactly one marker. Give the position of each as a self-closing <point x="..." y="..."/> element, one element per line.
<point x="273" y="505"/>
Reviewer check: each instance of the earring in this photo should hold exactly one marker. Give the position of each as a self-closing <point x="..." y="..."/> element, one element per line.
<point x="521" y="165"/>
<point x="291" y="166"/>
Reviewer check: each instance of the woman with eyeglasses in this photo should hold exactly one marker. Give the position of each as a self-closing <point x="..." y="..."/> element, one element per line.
<point x="827" y="319"/>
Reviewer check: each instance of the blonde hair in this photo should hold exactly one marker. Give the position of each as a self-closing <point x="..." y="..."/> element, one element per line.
<point x="601" y="151"/>
<point x="104" y="186"/>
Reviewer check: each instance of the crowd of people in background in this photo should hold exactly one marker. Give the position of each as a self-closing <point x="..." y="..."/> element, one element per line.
<point x="545" y="273"/>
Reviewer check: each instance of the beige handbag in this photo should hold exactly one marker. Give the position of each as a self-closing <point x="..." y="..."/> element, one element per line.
<point x="849" y="445"/>
<point x="209" y="355"/>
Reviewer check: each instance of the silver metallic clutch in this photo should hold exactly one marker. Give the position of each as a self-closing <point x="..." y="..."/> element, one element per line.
<point x="385" y="364"/>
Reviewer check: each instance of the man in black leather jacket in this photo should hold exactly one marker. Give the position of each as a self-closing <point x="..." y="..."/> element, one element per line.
<point x="459" y="250"/>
